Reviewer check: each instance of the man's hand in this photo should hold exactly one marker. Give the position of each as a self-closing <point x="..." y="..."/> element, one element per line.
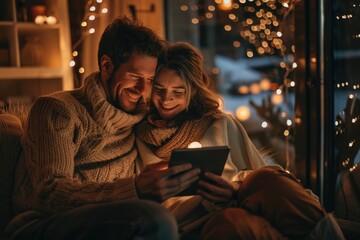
<point x="218" y="191"/>
<point x="157" y="182"/>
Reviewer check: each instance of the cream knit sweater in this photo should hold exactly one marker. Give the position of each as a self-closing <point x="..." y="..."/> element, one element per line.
<point x="78" y="149"/>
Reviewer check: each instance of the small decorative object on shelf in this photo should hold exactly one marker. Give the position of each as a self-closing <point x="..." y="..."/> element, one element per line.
<point x="37" y="10"/>
<point x="4" y="56"/>
<point x="31" y="53"/>
<point x="34" y="59"/>
<point x="21" y="8"/>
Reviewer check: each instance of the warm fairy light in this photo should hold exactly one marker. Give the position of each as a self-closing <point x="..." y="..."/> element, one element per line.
<point x="243" y="89"/>
<point x="72" y="63"/>
<point x="288" y="122"/>
<point x="353" y="168"/>
<point x="215" y="70"/>
<point x="264" y="124"/>
<point x="184" y="8"/>
<point x="351" y="143"/>
<point x="255" y="88"/>
<point x="209" y="15"/>
<point x="236" y="44"/>
<point x="249" y="53"/>
<point x="351" y="96"/>
<point x="104" y="10"/>
<point x="227" y="28"/>
<point x="195" y="21"/>
<point x="211" y="8"/>
<point x="42" y="19"/>
<point x="277" y="99"/>
<point x="224" y="4"/>
<point x="278" y="91"/>
<point x="286" y="133"/>
<point x="51" y="20"/>
<point x="242" y="113"/>
<point x="232" y="16"/>
<point x="39" y="19"/>
<point x="265" y="84"/>
<point x="93" y="11"/>
<point x="261" y="50"/>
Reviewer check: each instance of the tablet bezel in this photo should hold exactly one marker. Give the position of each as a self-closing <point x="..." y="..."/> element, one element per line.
<point x="208" y="159"/>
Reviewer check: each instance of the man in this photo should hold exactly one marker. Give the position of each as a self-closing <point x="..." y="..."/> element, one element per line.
<point x="76" y="179"/>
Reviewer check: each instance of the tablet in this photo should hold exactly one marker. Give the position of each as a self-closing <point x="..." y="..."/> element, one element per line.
<point x="208" y="159"/>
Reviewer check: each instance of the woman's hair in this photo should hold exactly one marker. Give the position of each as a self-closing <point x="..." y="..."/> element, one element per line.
<point x="187" y="61"/>
<point x="125" y="37"/>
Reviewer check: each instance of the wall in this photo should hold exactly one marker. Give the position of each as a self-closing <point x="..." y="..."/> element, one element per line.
<point x="153" y="20"/>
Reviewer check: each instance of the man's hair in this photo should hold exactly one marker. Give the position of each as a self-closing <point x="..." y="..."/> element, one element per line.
<point x="125" y="37"/>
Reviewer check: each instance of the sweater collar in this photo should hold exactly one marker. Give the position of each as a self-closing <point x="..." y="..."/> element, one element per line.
<point x="110" y="118"/>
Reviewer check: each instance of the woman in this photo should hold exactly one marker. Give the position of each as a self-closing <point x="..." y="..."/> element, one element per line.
<point x="183" y="110"/>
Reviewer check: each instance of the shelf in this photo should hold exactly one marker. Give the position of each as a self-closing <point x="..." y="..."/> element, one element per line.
<point x="34" y="58"/>
<point x="32" y="27"/>
<point x="29" y="73"/>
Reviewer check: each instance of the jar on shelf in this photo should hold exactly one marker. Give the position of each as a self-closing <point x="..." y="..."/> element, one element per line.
<point x="31" y="52"/>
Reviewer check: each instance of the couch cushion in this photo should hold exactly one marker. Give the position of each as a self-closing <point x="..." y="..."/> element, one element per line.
<point x="10" y="150"/>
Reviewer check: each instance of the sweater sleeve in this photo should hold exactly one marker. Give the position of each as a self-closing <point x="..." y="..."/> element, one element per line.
<point x="244" y="156"/>
<point x="51" y="140"/>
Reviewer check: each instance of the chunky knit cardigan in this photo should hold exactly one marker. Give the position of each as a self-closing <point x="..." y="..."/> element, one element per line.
<point x="78" y="149"/>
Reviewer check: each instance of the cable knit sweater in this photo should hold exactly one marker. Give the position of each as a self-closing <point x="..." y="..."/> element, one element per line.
<point x="78" y="149"/>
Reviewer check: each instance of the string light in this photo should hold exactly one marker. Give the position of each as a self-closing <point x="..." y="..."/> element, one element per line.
<point x="243" y="113"/>
<point x="93" y="10"/>
<point x="264" y="26"/>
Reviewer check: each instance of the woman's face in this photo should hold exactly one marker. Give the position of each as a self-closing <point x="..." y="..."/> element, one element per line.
<point x="169" y="94"/>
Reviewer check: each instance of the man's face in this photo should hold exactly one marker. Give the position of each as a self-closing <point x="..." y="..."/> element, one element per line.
<point x="169" y="94"/>
<point x="130" y="82"/>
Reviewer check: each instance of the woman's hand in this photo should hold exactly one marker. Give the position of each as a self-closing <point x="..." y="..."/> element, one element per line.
<point x="217" y="190"/>
<point x="158" y="182"/>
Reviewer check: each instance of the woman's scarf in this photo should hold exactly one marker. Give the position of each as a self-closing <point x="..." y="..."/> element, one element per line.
<point x="163" y="138"/>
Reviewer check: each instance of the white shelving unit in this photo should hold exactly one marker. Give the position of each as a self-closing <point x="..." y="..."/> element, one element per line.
<point x="34" y="58"/>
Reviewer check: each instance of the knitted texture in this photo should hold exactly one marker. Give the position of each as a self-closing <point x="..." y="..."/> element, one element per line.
<point x="10" y="150"/>
<point x="164" y="140"/>
<point x="79" y="149"/>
